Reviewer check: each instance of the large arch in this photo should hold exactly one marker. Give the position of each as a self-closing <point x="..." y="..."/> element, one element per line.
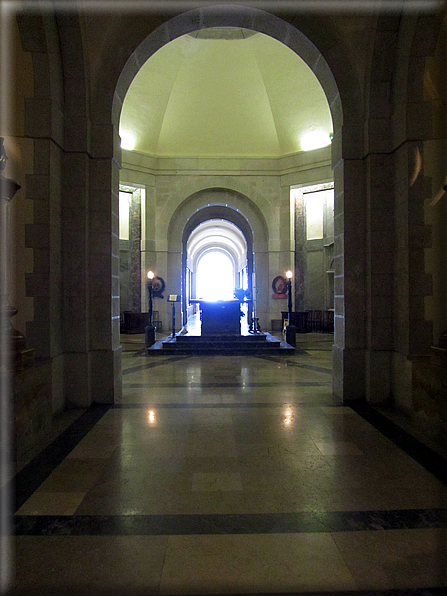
<point x="242" y="17"/>
<point x="349" y="343"/>
<point x="362" y="156"/>
<point x="91" y="183"/>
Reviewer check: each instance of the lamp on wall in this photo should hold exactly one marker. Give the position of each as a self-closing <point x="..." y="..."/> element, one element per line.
<point x="149" y="332"/>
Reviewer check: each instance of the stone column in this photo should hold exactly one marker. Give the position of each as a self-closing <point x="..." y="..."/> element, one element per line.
<point x="349" y="279"/>
<point x="380" y="276"/>
<point x="75" y="278"/>
<point x="103" y="252"/>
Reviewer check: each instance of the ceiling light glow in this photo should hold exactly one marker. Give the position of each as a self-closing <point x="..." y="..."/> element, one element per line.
<point x="314" y="140"/>
<point x="127" y="141"/>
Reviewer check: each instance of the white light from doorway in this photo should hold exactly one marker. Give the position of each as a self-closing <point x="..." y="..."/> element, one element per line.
<point x="215" y="277"/>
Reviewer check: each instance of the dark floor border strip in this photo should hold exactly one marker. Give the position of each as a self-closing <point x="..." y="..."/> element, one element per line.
<point x="227" y="405"/>
<point x="265" y="523"/>
<point x="85" y="590"/>
<point x="239" y="385"/>
<point x="153" y="364"/>
<point x="32" y="475"/>
<point x="427" y="457"/>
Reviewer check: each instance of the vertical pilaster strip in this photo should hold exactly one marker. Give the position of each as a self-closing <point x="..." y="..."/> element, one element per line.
<point x="75" y="278"/>
<point x="104" y="314"/>
<point x="135" y="250"/>
<point x="300" y="254"/>
<point x="44" y="127"/>
<point x="380" y="276"/>
<point x="349" y="279"/>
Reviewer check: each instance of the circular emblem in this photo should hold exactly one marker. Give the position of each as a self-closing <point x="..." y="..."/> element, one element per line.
<point x="158" y="287"/>
<point x="279" y="285"/>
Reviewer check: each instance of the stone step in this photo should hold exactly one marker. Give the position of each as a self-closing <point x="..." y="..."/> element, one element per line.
<point x="232" y="339"/>
<point x="221" y="345"/>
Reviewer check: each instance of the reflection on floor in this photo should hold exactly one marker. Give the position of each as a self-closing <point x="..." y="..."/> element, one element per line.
<point x="231" y="475"/>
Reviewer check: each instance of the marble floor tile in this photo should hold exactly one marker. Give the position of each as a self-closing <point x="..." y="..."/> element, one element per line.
<point x="216" y="482"/>
<point x="338" y="448"/>
<point x="93" y="449"/>
<point x="402" y="559"/>
<point x="74" y="475"/>
<point x="89" y="563"/>
<point x="51" y="503"/>
<point x="251" y="564"/>
<point x="196" y="438"/>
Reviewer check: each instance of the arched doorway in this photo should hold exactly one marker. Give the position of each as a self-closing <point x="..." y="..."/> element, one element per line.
<point x="345" y="356"/>
<point x="216" y="261"/>
<point x="230" y="215"/>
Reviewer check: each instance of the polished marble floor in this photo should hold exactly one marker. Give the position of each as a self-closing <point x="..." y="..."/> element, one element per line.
<point x="231" y="475"/>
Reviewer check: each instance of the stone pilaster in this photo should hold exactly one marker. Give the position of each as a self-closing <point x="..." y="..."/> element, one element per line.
<point x="135" y="250"/>
<point x="349" y="280"/>
<point x="300" y="254"/>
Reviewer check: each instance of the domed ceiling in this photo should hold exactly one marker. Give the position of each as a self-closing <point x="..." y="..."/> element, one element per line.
<point x="223" y="93"/>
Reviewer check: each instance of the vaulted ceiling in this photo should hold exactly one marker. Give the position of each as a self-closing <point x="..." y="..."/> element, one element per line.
<point x="220" y="234"/>
<point x="223" y="93"/>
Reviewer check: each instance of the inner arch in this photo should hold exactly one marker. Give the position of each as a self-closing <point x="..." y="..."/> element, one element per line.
<point x="216" y="260"/>
<point x="237" y="229"/>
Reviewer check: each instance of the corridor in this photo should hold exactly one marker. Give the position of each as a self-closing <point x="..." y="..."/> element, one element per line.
<point x="230" y="475"/>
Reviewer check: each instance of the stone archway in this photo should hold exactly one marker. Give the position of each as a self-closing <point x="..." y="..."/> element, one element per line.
<point x="99" y="168"/>
<point x="348" y="347"/>
<point x="83" y="135"/>
<point x="227" y="213"/>
<point x="215" y="203"/>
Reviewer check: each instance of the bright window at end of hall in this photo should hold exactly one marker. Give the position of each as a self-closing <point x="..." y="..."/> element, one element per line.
<point x="124" y="203"/>
<point x="215" y="277"/>
<point x="314" y="214"/>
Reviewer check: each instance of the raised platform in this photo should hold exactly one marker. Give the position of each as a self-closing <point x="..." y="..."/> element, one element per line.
<point x="223" y="345"/>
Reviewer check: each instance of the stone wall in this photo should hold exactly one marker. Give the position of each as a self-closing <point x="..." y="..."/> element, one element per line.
<point x="387" y="102"/>
<point x="258" y="188"/>
<point x="33" y="409"/>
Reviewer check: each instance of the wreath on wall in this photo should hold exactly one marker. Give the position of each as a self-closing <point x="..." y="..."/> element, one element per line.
<point x="158" y="287"/>
<point x="279" y="285"/>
